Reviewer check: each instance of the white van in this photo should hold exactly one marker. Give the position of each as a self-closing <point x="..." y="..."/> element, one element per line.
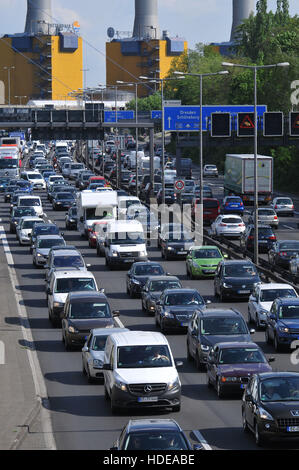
<point x="124" y="202"/>
<point x="31" y="201"/>
<point x="93" y="207"/>
<point x="124" y="243"/>
<point x="35" y="179"/>
<point x="139" y="370"/>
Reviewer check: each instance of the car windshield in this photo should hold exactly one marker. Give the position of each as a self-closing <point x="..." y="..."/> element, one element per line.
<point x="288" y="312"/>
<point x="155" y="440"/>
<point x="289" y="246"/>
<point x="181" y="236"/>
<point x="68" y="261"/>
<point x="269" y="295"/>
<point x="223" y="326"/>
<point x="241" y="356"/>
<point x="55" y="178"/>
<point x="30" y="202"/>
<point x="77" y="166"/>
<point x="7" y="163"/>
<point x="17" y="212"/>
<point x="140" y="357"/>
<point x="240" y="270"/>
<point x="207" y="253"/>
<point x="184" y="298"/>
<point x="68" y="196"/>
<point x="123" y="238"/>
<point x="149" y="270"/>
<point x="158" y="286"/>
<point x="75" y="284"/>
<point x="35" y="176"/>
<point x="28" y="224"/>
<point x="94" y="213"/>
<point x="48" y="243"/>
<point x="99" y="343"/>
<point x="46" y="230"/>
<point x="131" y="203"/>
<point x="88" y="309"/>
<point x="279" y="389"/>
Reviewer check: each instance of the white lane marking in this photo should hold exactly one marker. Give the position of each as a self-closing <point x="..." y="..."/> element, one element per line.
<point x="290" y="228"/>
<point x="202" y="440"/>
<point x="2" y="353"/>
<point x="119" y="323"/>
<point x="38" y="378"/>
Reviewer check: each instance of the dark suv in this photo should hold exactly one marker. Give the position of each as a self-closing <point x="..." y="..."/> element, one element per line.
<point x="270" y="406"/>
<point x="211" y="326"/>
<point x="235" y="279"/>
<point x="282" y="322"/>
<point x="266" y="238"/>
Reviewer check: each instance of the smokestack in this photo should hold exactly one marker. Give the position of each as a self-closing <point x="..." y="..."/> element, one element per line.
<point x="146" y="19"/>
<point x="241" y="11"/>
<point x="39" y="13"/>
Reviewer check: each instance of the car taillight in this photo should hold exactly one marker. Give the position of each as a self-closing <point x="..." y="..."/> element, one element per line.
<point x="272" y="237"/>
<point x="90" y="230"/>
<point x="292" y="207"/>
<point x="222" y="225"/>
<point x="241" y="225"/>
<point x="226" y="203"/>
<point x="275" y="207"/>
<point x="283" y="253"/>
<point x="275" y="217"/>
<point x="250" y="237"/>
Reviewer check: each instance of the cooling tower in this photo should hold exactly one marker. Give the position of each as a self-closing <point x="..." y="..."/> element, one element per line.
<point x="39" y="15"/>
<point x="146" y="23"/>
<point x="241" y="11"/>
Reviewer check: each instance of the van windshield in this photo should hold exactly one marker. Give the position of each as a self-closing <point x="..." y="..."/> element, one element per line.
<point x="7" y="163"/>
<point x="140" y="357"/>
<point x="123" y="238"/>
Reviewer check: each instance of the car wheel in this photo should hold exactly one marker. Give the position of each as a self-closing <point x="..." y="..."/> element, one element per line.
<point x="209" y="383"/>
<point x="277" y="346"/>
<point x="257" y="322"/>
<point x="114" y="409"/>
<point x="106" y="394"/>
<point x="199" y="365"/>
<point x="89" y="378"/>
<point x="189" y="357"/>
<point x="67" y="345"/>
<point x="83" y="368"/>
<point x="258" y="438"/>
<point x="219" y="389"/>
<point x="176" y="408"/>
<point x="267" y="337"/>
<point x="249" y="317"/>
<point x="244" y="423"/>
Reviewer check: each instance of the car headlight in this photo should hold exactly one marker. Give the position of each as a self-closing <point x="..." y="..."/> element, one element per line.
<point x="120" y="385"/>
<point x="263" y="312"/>
<point x="142" y="253"/>
<point x="168" y="315"/>
<point x="204" y="347"/>
<point x="72" y="329"/>
<point x="135" y="281"/>
<point x="174" y="384"/>
<point x="264" y="414"/>
<point x="170" y="248"/>
<point x="227" y="286"/>
<point x="72" y="220"/>
<point x="229" y="379"/>
<point x="39" y="255"/>
<point x="283" y="329"/>
<point x="58" y="304"/>
<point x="114" y="253"/>
<point x="97" y="364"/>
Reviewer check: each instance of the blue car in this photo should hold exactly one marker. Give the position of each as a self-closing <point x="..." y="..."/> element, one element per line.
<point x="4" y="181"/>
<point x="282" y="323"/>
<point x="232" y="205"/>
<point x="24" y="186"/>
<point x="47" y="174"/>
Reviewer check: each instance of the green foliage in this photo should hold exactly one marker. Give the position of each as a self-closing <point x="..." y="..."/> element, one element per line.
<point x="151" y="102"/>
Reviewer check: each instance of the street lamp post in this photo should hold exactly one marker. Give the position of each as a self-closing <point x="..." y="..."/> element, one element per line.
<point x="201" y="76"/>
<point x="255" y="69"/>
<point x="9" y="68"/>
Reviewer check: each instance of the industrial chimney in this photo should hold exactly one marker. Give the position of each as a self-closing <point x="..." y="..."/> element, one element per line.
<point x="146" y="23"/>
<point x="39" y="15"/>
<point x="241" y="11"/>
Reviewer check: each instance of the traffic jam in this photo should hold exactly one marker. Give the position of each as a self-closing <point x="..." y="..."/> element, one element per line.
<point x="172" y="342"/>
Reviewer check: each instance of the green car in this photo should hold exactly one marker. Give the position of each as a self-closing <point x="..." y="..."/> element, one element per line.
<point x="202" y="261"/>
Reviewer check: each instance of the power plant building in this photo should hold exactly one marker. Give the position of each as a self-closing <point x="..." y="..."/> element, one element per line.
<point x="45" y="62"/>
<point x="147" y="53"/>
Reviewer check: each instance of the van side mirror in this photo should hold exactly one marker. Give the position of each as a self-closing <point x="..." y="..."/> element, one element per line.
<point x="179" y="363"/>
<point x="116" y="313"/>
<point x="85" y="349"/>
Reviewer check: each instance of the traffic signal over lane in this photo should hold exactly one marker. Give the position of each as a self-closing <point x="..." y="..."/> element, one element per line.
<point x="245" y="125"/>
<point x="273" y="124"/>
<point x="220" y="125"/>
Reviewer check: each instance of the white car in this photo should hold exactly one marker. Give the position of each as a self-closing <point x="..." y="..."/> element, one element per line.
<point x="230" y="226"/>
<point x="261" y="300"/>
<point x="210" y="170"/>
<point x="31" y="201"/>
<point x="54" y="179"/>
<point x="24" y="229"/>
<point x="283" y="206"/>
<point x="35" y="179"/>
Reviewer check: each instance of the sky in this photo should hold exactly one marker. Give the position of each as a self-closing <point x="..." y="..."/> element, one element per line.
<point x="195" y="20"/>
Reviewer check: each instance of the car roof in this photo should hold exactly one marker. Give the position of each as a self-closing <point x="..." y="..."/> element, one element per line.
<point x="65" y="252"/>
<point x="181" y="291"/>
<point x="204" y="247"/>
<point x="107" y="331"/>
<point x="163" y="278"/>
<point x="139" y="338"/>
<point x="31" y="217"/>
<point x="274" y="285"/>
<point x="135" y="425"/>
<point x="49" y="237"/>
<point x="219" y="312"/>
<point x="72" y="273"/>
<point x="238" y="344"/>
<point x="237" y="261"/>
<point x="83" y="295"/>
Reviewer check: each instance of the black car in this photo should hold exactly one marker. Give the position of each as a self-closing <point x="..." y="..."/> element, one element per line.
<point x="43" y="229"/>
<point x="71" y="218"/>
<point x="266" y="238"/>
<point x="153" y="289"/>
<point x="139" y="274"/>
<point x="175" y="308"/>
<point x="270" y="407"/>
<point x="176" y="244"/>
<point x="63" y="200"/>
<point x="17" y="213"/>
<point x="282" y="251"/>
<point x="84" y="311"/>
<point x="211" y="326"/>
<point x="235" y="279"/>
<point x="153" y="434"/>
<point x="9" y="191"/>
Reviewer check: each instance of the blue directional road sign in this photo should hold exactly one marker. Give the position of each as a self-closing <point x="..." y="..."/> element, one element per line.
<point x="187" y="118"/>
<point x="156" y="114"/>
<point x="109" y="116"/>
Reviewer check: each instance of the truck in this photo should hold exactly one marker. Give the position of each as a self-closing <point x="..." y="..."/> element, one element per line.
<point x="93" y="207"/>
<point x="239" y="177"/>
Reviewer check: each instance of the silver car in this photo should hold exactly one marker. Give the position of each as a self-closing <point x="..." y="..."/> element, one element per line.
<point x="42" y="246"/>
<point x="93" y="352"/>
<point x="283" y="206"/>
<point x="210" y="170"/>
<point x="230" y="226"/>
<point x="265" y="215"/>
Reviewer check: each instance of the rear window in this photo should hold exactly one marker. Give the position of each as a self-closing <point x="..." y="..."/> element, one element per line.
<point x="210" y="204"/>
<point x="231" y="220"/>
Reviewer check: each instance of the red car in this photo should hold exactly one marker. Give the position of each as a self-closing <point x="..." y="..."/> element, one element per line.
<point x="92" y="234"/>
<point x="211" y="209"/>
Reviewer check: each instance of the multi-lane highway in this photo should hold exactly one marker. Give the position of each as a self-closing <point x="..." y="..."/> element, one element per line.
<point x="81" y="417"/>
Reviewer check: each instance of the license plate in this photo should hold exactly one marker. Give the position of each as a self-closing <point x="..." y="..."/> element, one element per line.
<point x="147" y="399"/>
<point x="293" y="428"/>
<point x="243" y="291"/>
<point x="185" y="324"/>
<point x="182" y="252"/>
<point x="131" y="260"/>
<point x="208" y="271"/>
<point x="234" y="205"/>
